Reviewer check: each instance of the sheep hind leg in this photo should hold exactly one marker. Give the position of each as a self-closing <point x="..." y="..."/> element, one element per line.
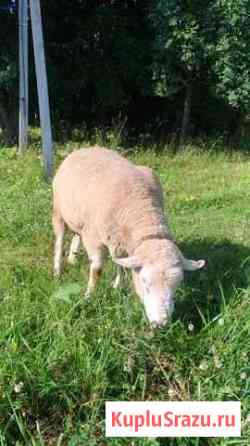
<point x="74" y="248"/>
<point x="96" y="264"/>
<point x="58" y="227"/>
<point x="118" y="279"/>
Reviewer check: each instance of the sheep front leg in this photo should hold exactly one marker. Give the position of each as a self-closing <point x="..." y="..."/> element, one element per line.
<point x="96" y="264"/>
<point x="118" y="279"/>
<point x="96" y="255"/>
<point x="74" y="248"/>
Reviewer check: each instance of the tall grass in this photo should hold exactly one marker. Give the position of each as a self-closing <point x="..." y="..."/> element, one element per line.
<point x="61" y="357"/>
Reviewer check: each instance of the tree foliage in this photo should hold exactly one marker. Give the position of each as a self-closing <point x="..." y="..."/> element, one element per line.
<point x="103" y="56"/>
<point x="232" y="54"/>
<point x="181" y="43"/>
<point x="8" y="74"/>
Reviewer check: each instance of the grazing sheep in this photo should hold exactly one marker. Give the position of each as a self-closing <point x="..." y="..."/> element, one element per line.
<point x="113" y="205"/>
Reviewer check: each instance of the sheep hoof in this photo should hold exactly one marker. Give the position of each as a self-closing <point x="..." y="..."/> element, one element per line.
<point x="57" y="274"/>
<point x="71" y="259"/>
<point x="87" y="295"/>
<point x="116" y="282"/>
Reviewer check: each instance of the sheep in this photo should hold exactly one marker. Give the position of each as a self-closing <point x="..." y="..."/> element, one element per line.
<point x="114" y="206"/>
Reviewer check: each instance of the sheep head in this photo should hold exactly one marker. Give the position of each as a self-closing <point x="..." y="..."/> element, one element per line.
<point x="156" y="283"/>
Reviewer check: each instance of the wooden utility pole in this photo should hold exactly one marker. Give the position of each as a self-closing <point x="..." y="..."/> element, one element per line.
<point x="23" y="74"/>
<point x="42" y="86"/>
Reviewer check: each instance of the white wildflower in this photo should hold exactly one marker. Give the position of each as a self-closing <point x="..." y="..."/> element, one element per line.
<point x="212" y="349"/>
<point x="217" y="362"/>
<point x="248" y="418"/>
<point x="18" y="387"/>
<point x="171" y="392"/>
<point x="203" y="365"/>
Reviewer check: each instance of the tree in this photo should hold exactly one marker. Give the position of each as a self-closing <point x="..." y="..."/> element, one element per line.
<point x="232" y="55"/>
<point x="182" y="45"/>
<point x="8" y="75"/>
<point x="98" y="55"/>
<point x="105" y="55"/>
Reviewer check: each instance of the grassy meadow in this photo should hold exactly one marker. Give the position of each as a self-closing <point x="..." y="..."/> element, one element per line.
<point x="61" y="357"/>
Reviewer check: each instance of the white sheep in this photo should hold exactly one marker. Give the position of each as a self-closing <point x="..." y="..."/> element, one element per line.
<point x="113" y="205"/>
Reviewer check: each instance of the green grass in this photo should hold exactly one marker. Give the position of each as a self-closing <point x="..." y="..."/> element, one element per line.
<point x="61" y="357"/>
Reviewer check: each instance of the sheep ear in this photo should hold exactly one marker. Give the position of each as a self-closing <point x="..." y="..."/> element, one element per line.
<point x="193" y="265"/>
<point x="128" y="262"/>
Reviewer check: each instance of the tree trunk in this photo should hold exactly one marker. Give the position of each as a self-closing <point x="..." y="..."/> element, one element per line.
<point x="240" y="128"/>
<point x="8" y="125"/>
<point x="186" y="114"/>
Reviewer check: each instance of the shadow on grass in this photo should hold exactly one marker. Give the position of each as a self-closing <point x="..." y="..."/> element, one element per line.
<point x="206" y="292"/>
